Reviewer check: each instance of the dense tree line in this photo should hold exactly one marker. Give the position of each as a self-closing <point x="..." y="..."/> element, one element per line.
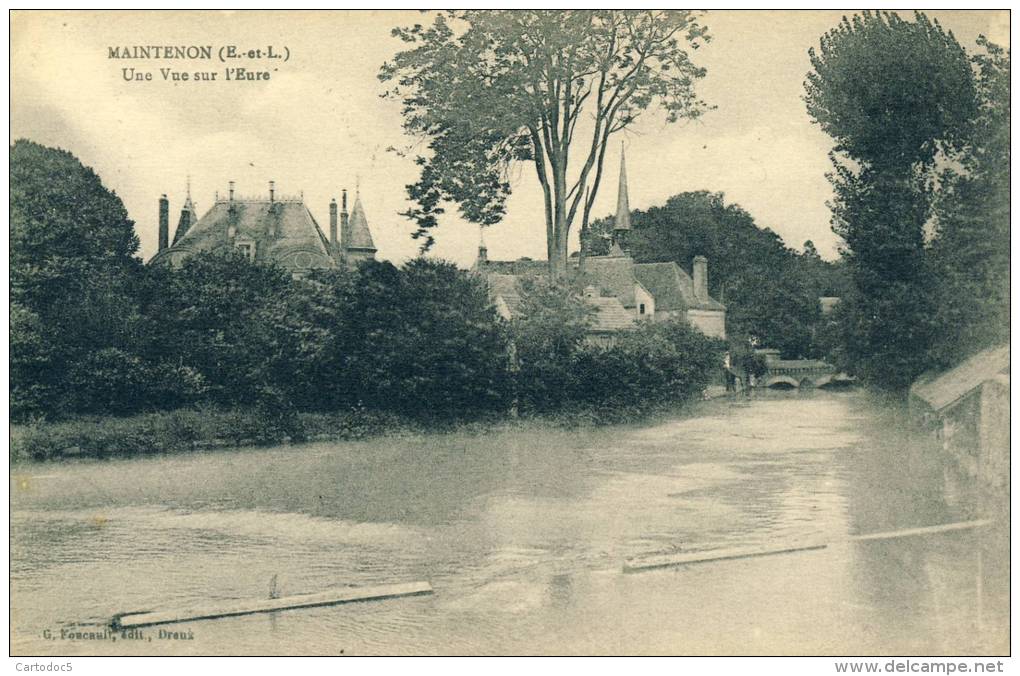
<point x="93" y="331"/>
<point x="920" y="175"/>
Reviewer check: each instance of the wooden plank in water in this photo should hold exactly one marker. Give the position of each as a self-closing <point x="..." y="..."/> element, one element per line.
<point x="671" y="560"/>
<point x="654" y="561"/>
<point x="248" y="607"/>
<point x="926" y="530"/>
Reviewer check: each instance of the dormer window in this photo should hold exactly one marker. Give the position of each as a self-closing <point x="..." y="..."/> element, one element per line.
<point x="641" y="309"/>
<point x="247" y="248"/>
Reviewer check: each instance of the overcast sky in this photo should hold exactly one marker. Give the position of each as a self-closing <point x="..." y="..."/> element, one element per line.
<point x="319" y="124"/>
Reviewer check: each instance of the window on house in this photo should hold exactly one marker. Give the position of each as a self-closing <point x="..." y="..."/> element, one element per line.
<point x="247" y="249"/>
<point x="641" y="308"/>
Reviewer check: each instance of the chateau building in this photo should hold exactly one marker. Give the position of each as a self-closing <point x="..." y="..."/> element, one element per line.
<point x="275" y="228"/>
<point x="620" y="290"/>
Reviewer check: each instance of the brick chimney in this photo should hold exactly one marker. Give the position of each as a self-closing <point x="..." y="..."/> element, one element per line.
<point x="231" y="213"/>
<point x="272" y="191"/>
<point x="332" y="224"/>
<point x="701" y="278"/>
<point x="164" y="222"/>
<point x="345" y="224"/>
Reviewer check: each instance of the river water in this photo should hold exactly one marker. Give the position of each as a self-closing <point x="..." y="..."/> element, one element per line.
<point x="523" y="536"/>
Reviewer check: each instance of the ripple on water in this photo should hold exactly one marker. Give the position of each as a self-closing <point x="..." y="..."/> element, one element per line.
<point x="522" y="535"/>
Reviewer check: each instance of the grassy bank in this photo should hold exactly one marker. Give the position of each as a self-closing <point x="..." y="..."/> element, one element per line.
<point x="189" y="430"/>
<point x="186" y="430"/>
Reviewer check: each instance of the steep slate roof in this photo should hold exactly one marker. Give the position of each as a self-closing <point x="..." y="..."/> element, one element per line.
<point x="295" y="227"/>
<point x="507" y="288"/>
<point x="671" y="287"/>
<point x="615" y="274"/>
<point x="668" y="284"/>
<point x="610" y="315"/>
<point x="942" y="391"/>
<point x="361" y="237"/>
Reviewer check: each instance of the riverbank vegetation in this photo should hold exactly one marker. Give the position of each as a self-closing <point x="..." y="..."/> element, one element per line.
<point x="921" y="181"/>
<point x="109" y="356"/>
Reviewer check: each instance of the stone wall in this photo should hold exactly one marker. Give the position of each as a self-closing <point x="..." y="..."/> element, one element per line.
<point x="958" y="432"/>
<point x="710" y="322"/>
<point x="993" y="431"/>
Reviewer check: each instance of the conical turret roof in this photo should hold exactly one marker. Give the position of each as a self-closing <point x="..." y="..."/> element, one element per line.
<point x="361" y="236"/>
<point x="188" y="217"/>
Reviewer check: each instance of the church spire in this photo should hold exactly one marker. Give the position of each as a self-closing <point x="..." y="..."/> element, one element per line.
<point x="622" y="221"/>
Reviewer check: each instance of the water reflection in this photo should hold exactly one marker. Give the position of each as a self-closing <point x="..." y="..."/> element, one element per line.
<point x="523" y="533"/>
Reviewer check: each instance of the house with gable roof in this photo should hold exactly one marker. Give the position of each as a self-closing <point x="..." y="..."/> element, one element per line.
<point x="620" y="290"/>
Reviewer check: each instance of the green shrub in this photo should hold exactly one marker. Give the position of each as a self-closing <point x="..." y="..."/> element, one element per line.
<point x="657" y="363"/>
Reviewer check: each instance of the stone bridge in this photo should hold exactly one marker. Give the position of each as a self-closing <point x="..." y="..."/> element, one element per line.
<point x="796" y="373"/>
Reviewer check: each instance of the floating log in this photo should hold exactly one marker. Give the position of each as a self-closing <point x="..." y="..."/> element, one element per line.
<point x="926" y="530"/>
<point x="670" y="560"/>
<point x="653" y="561"/>
<point x="248" y="607"/>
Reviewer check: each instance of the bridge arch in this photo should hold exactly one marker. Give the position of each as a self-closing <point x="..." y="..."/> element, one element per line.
<point x="839" y="380"/>
<point x="780" y="381"/>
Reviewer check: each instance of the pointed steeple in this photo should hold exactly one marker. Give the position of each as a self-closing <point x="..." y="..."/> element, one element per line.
<point x="188" y="215"/>
<point x="622" y="221"/>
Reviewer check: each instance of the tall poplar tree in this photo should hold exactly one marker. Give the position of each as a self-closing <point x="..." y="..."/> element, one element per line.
<point x="895" y="96"/>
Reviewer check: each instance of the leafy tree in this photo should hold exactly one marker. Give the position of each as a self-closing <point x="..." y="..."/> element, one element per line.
<point x="230" y="320"/>
<point x="62" y="220"/>
<point x="890" y="92"/>
<point x="970" y="253"/>
<point x="894" y="95"/>
<point x="824" y="278"/>
<point x="546" y="332"/>
<point x="657" y="362"/>
<point x="72" y="266"/>
<point x="34" y="379"/>
<point x="112" y="381"/>
<point x="487" y="89"/>
<point x="422" y="340"/>
<point x="891" y="304"/>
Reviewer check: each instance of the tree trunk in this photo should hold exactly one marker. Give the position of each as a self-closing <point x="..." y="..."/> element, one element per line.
<point x="562" y="234"/>
<point x="558" y="245"/>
